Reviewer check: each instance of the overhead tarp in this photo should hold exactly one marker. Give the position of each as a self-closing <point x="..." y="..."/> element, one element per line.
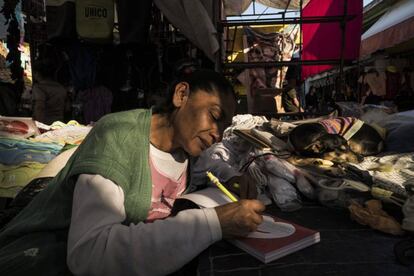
<point x="374" y="10"/>
<point x="323" y="41"/>
<point x="194" y="20"/>
<point x="237" y="7"/>
<point x="394" y="27"/>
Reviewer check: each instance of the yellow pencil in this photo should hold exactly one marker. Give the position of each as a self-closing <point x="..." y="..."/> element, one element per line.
<point x="220" y="186"/>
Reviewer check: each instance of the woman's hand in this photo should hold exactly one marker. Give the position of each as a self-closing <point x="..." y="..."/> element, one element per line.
<point x="244" y="186"/>
<point x="238" y="219"/>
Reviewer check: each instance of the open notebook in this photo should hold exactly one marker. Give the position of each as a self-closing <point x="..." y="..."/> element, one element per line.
<point x="275" y="237"/>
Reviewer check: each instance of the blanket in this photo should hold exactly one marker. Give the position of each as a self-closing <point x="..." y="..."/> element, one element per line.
<point x="390" y="171"/>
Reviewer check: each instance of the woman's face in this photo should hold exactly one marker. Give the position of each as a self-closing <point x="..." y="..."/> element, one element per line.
<point x="201" y="119"/>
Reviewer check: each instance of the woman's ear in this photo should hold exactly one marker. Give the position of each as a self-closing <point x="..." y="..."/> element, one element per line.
<point x="181" y="94"/>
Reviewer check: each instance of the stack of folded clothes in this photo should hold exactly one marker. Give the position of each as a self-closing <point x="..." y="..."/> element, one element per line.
<point x="21" y="160"/>
<point x="26" y="146"/>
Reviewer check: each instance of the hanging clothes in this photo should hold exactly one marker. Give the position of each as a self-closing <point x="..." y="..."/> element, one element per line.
<point x="393" y="84"/>
<point x="95" y="20"/>
<point x="134" y="18"/>
<point x="82" y="65"/>
<point x="96" y="102"/>
<point x="61" y="17"/>
<point x="376" y="82"/>
<point x="262" y="82"/>
<point x="269" y="47"/>
<point x="49" y="98"/>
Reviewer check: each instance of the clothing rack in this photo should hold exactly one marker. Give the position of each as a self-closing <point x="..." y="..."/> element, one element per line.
<point x="284" y="18"/>
<point x="224" y="23"/>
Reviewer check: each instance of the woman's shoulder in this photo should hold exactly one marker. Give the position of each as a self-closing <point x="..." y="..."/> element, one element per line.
<point x="118" y="135"/>
<point x="125" y="123"/>
<point x="129" y="116"/>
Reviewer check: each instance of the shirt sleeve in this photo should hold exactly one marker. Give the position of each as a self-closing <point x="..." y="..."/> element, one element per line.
<point x="99" y="244"/>
<point x="292" y="94"/>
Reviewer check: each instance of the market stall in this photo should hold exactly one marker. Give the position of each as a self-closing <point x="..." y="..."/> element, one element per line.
<point x="361" y="203"/>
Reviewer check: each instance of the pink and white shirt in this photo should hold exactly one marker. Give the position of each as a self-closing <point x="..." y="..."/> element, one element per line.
<point x="99" y="243"/>
<point x="169" y="172"/>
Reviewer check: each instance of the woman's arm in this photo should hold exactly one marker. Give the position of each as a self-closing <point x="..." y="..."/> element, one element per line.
<point x="99" y="244"/>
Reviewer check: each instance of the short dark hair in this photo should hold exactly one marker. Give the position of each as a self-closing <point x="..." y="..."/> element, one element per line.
<point x="207" y="80"/>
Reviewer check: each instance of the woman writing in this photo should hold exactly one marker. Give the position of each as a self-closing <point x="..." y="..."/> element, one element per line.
<point x="108" y="211"/>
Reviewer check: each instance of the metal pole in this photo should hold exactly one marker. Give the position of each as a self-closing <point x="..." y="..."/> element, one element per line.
<point x="266" y="21"/>
<point x="219" y="28"/>
<point x="343" y="29"/>
<point x="254" y="7"/>
<point x="358" y="88"/>
<point x="234" y="40"/>
<point x="300" y="51"/>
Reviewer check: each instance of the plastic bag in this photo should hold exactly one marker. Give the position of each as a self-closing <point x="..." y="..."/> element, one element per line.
<point x="18" y="127"/>
<point x="284" y="194"/>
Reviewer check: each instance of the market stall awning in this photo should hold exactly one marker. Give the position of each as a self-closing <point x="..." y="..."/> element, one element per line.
<point x="394" y="27"/>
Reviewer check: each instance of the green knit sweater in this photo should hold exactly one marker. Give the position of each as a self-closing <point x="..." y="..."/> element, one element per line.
<point x="34" y="243"/>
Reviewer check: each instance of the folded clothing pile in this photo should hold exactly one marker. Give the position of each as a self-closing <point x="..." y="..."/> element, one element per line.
<point x="21" y="160"/>
<point x="26" y="146"/>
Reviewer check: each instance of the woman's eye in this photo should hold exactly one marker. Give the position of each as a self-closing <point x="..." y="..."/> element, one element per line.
<point x="215" y="117"/>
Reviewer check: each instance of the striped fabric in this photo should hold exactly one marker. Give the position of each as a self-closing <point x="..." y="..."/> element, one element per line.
<point x="339" y="125"/>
